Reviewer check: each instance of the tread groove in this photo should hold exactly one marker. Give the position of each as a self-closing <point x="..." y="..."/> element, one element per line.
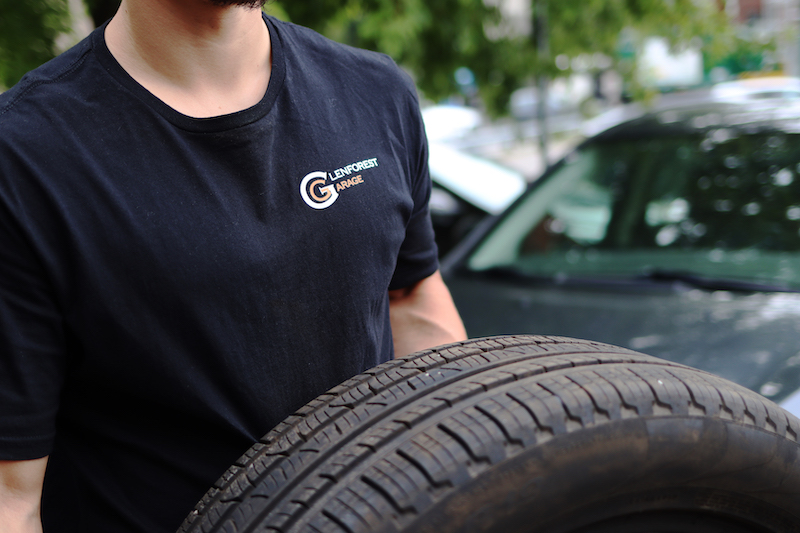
<point x="335" y="519"/>
<point x="500" y="425"/>
<point x="382" y="491"/>
<point x="424" y="471"/>
<point x="458" y="438"/>
<point x="532" y="414"/>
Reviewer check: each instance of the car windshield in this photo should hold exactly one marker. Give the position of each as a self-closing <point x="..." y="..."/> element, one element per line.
<point x="720" y="204"/>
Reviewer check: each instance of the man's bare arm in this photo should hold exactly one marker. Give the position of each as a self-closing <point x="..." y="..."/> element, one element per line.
<point x="424" y="315"/>
<point x="21" y="495"/>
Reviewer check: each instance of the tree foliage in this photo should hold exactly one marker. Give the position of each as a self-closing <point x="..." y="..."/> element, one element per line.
<point x="430" y="38"/>
<point x="433" y="38"/>
<point x="28" y="33"/>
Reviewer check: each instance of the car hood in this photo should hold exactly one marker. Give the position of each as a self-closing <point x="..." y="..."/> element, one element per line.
<point x="752" y="339"/>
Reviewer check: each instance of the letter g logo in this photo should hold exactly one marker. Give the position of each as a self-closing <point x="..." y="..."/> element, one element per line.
<point x="314" y="191"/>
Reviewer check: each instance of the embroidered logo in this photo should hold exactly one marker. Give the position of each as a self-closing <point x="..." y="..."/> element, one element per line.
<point x="320" y="189"/>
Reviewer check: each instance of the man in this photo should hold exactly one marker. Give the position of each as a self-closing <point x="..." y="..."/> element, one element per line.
<point x="207" y="218"/>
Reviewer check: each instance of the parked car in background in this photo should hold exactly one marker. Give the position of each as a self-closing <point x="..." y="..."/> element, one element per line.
<point x="673" y="230"/>
<point x="465" y="188"/>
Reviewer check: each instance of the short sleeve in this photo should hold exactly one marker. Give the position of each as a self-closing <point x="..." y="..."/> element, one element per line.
<point x="418" y="257"/>
<point x="31" y="346"/>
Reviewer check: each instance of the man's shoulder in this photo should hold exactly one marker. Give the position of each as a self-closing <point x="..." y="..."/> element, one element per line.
<point x="49" y="106"/>
<point x="48" y="83"/>
<point x="314" y="50"/>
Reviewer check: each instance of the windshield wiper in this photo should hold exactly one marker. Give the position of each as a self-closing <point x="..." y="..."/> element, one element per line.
<point x="711" y="283"/>
<point x="508" y="273"/>
<point x="512" y="274"/>
<point x="517" y="275"/>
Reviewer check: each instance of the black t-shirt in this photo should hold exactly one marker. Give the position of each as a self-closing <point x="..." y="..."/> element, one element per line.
<point x="171" y="288"/>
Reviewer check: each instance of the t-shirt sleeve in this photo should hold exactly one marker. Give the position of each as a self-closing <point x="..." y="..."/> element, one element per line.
<point x="418" y="257"/>
<point x="31" y="346"/>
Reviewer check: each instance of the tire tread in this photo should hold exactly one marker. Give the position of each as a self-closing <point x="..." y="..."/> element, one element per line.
<point x="577" y="384"/>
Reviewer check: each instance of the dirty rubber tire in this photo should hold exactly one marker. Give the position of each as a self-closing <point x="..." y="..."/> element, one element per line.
<point x="519" y="434"/>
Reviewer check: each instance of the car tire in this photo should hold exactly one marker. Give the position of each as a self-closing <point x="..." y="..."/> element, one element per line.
<point x="519" y="434"/>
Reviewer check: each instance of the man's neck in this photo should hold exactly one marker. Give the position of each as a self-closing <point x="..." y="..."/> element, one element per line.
<point x="201" y="59"/>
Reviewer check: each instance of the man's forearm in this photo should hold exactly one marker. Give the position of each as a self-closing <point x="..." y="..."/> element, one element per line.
<point x="20" y="495"/>
<point x="423" y="316"/>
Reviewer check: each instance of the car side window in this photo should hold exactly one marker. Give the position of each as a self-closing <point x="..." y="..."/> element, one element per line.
<point x="717" y="202"/>
<point x="569" y="207"/>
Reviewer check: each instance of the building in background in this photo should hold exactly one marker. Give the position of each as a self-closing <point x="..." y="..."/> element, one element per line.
<point x="762" y="20"/>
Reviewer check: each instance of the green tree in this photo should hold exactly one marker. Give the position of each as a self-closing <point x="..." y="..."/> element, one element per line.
<point x="28" y="32"/>
<point x="433" y="38"/>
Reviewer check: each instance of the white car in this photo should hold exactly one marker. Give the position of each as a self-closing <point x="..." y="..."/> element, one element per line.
<point x="466" y="188"/>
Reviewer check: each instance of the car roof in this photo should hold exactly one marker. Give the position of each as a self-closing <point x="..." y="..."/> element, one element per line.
<point x="772" y="103"/>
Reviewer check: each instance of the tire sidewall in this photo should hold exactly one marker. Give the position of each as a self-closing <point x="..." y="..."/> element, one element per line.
<point x="633" y="466"/>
